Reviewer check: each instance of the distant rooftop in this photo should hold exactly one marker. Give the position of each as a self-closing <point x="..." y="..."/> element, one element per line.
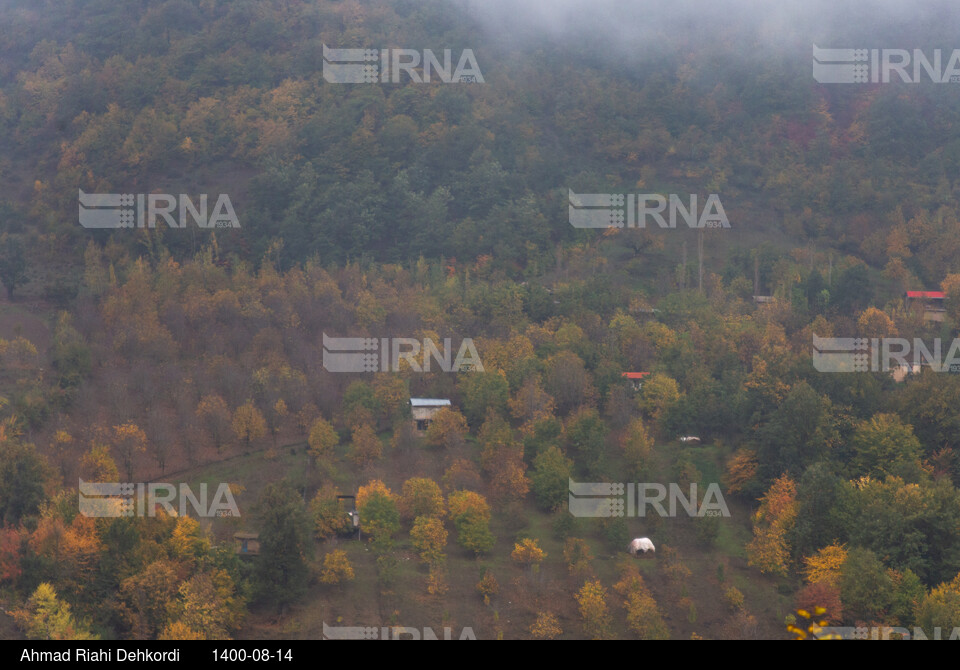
<point x="429" y="402"/>
<point x="634" y="375"/>
<point x="926" y="294"/>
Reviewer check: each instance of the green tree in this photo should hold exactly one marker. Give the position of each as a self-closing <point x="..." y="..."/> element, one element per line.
<point x="551" y="478"/>
<point x="883" y="446"/>
<point x="280" y="573"/>
<point x="482" y="393"/>
<point x="13" y="264"/>
<point x="866" y="589"/>
<point x="323" y="440"/>
<point x="23" y="475"/>
<point x="586" y="435"/>
<point x="379" y="514"/>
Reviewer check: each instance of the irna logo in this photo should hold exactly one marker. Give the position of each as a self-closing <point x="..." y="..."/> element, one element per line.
<point x="115" y="210"/>
<point x="371" y="66"/>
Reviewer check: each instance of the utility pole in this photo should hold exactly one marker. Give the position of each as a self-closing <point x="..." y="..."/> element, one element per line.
<point x="700" y="254"/>
<point x="683" y="264"/>
<point x="756" y="273"/>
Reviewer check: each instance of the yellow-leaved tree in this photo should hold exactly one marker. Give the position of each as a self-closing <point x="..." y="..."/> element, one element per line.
<point x="592" y="600"/>
<point x="825" y="565"/>
<point x="769" y="550"/>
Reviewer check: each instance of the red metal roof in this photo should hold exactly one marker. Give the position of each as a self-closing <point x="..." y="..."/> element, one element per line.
<point x="634" y="375"/>
<point x="926" y="294"/>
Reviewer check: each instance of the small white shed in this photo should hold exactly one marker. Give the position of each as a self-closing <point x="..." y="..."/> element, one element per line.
<point x="423" y="410"/>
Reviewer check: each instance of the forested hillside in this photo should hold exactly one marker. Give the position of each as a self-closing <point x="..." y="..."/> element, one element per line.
<point x="433" y="211"/>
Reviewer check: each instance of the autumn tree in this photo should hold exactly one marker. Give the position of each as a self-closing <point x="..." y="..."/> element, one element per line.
<point x="874" y="323"/>
<point x="577" y="554"/>
<point x="951" y="286"/>
<point x="531" y="403"/>
<point x="742" y="469"/>
<point x="214" y="416"/>
<point x="437" y="579"/>
<point x="98" y="466"/>
<point x="329" y="517"/>
<point x="404" y="437"/>
<point x="592" y="601"/>
<point x="276" y="415"/>
<point x="10" y="542"/>
<point x="248" y="424"/>
<point x="659" y="393"/>
<point x="546" y="626"/>
<point x="470" y="513"/>
<point x="643" y="614"/>
<point x="180" y="631"/>
<point x="501" y="457"/>
<point x="568" y="382"/>
<point x="322" y="441"/>
<point x="769" y="549"/>
<point x="365" y="446"/>
<point x="447" y="429"/>
<point x="146" y="598"/>
<point x="462" y="474"/>
<point x="637" y="447"/>
<point x="941" y="607"/>
<point x="128" y="441"/>
<point x="208" y="604"/>
<point x="46" y="617"/>
<point x="421" y="496"/>
<point x="392" y="398"/>
<point x="825" y="565"/>
<point x="429" y="539"/>
<point x="306" y="417"/>
<point x="527" y="552"/>
<point x="336" y="568"/>
<point x="488" y="586"/>
<point x="821" y="594"/>
<point x="734" y="598"/>
<point x="188" y="541"/>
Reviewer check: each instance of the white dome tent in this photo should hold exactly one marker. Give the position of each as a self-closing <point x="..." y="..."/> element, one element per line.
<point x="641" y="546"/>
